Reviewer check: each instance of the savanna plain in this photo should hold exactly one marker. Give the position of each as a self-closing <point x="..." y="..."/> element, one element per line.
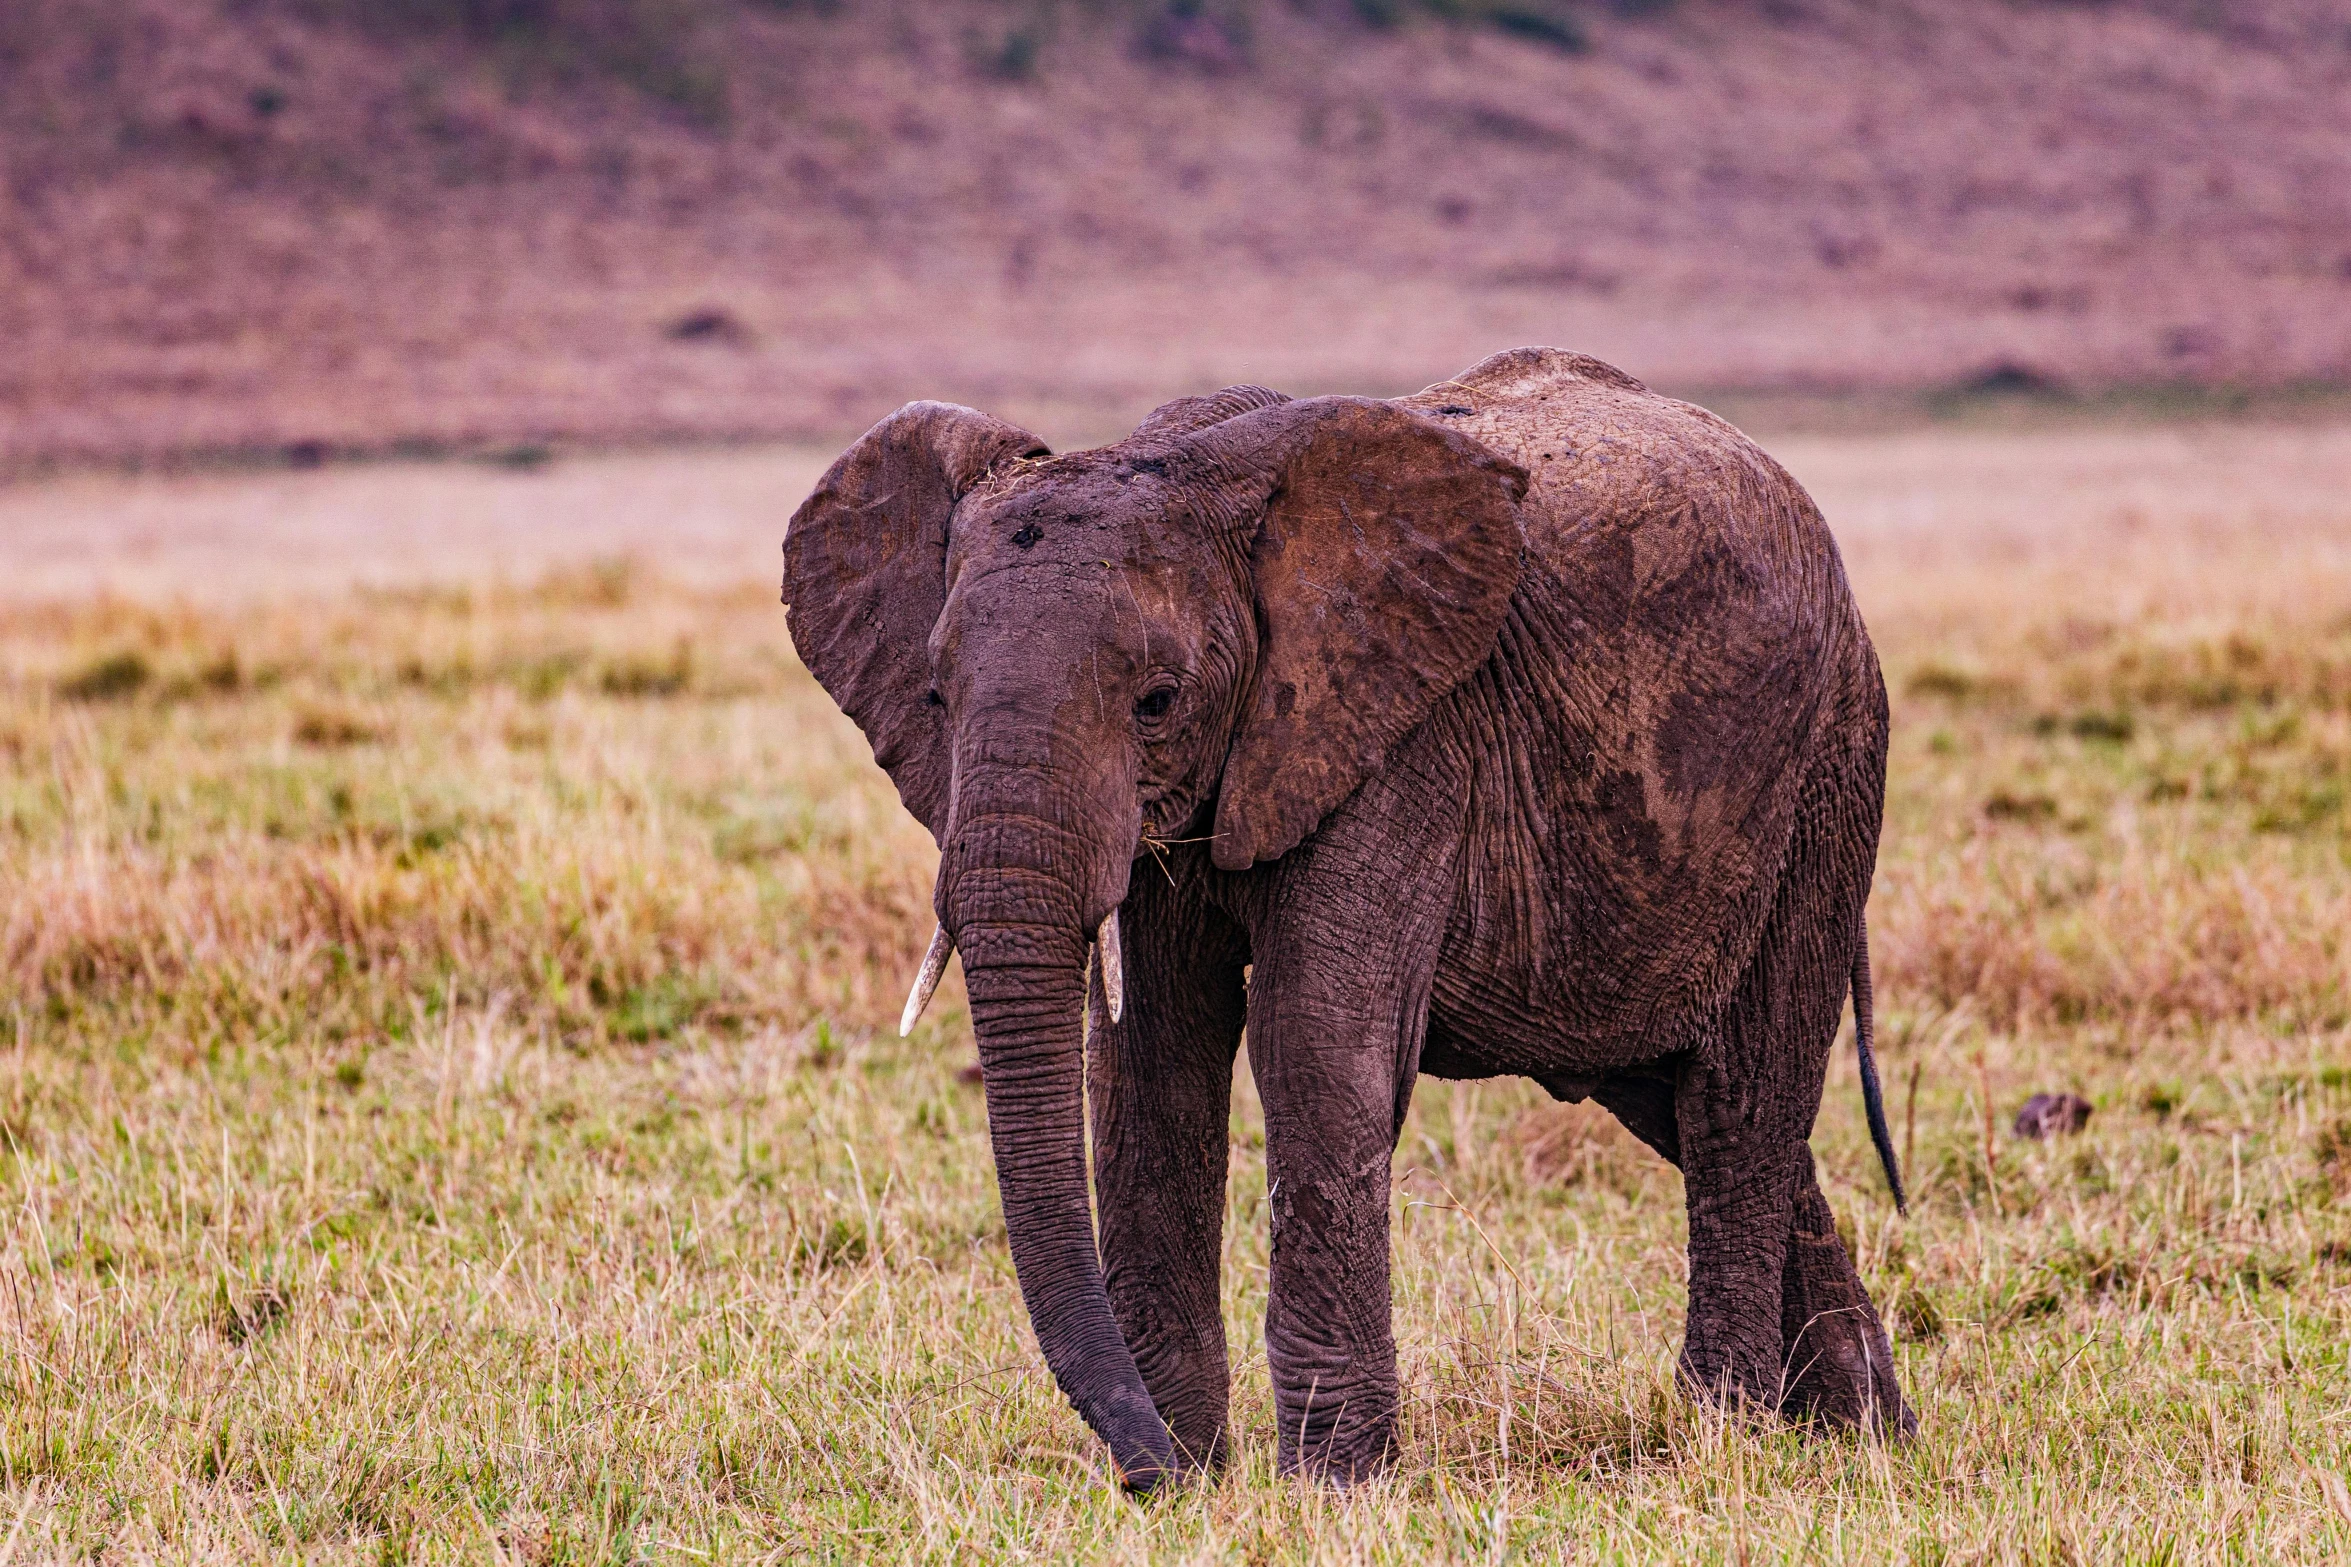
<point x="451" y="1107"/>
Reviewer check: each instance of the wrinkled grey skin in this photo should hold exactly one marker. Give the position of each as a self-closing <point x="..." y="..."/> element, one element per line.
<point x="1526" y="725"/>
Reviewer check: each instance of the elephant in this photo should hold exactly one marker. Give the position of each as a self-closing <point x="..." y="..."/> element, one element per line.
<point x="1524" y="725"/>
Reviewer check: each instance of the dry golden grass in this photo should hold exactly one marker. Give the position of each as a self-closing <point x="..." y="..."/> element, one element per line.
<point x="2122" y="668"/>
<point x="448" y="1109"/>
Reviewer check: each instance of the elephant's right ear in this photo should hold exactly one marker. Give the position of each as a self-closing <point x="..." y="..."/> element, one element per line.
<point x="865" y="576"/>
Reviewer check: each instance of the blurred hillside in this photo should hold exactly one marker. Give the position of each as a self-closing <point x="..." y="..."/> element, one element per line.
<point x="311" y="225"/>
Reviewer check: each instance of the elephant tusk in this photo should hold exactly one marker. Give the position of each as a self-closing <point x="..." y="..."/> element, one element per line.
<point x="934" y="963"/>
<point x="1114" y="983"/>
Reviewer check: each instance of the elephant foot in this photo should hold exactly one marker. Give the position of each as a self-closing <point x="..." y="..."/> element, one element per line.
<point x="1199" y="1458"/>
<point x="1337" y="1451"/>
<point x="1731" y="1346"/>
<point x="1741" y="1383"/>
<point x="1341" y="1474"/>
<point x="1839" y="1366"/>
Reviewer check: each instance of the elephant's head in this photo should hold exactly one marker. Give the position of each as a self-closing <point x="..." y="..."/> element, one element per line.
<point x="1216" y="628"/>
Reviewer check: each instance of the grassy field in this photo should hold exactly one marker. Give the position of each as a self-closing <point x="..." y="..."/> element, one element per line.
<point x="448" y="1107"/>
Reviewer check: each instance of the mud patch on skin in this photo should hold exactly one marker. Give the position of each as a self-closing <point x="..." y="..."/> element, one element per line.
<point x="1623" y="799"/>
<point x="1688" y="603"/>
<point x="1712" y="736"/>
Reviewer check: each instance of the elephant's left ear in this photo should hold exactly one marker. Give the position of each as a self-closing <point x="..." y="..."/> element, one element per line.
<point x="1384" y="556"/>
<point x="865" y="576"/>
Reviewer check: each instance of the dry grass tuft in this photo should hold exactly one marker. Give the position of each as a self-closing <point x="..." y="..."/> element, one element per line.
<point x="319" y="820"/>
<point x="1570" y="1144"/>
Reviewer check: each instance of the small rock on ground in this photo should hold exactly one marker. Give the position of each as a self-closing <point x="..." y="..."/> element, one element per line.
<point x="2052" y="1115"/>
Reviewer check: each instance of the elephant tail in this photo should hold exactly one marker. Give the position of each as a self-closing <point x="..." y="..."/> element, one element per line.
<point x="1873" y="1098"/>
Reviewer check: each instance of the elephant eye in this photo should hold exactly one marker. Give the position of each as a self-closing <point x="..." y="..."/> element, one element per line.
<point x="931" y="698"/>
<point x="1155" y="702"/>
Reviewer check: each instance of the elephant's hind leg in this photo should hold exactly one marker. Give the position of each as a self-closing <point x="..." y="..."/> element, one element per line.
<point x="1840" y="1367"/>
<point x="1836" y="1364"/>
<point x="1778" y="1317"/>
<point x="1739" y="1141"/>
<point x="1161" y="1083"/>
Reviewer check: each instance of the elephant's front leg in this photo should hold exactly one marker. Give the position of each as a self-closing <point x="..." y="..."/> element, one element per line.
<point x="1161" y="1083"/>
<point x="1330" y="1115"/>
<point x="1338" y="1004"/>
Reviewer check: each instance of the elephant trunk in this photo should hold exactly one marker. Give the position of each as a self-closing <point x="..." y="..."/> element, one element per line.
<point x="1022" y="931"/>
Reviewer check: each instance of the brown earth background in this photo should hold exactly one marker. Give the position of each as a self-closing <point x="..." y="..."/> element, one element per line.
<point x="311" y="227"/>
